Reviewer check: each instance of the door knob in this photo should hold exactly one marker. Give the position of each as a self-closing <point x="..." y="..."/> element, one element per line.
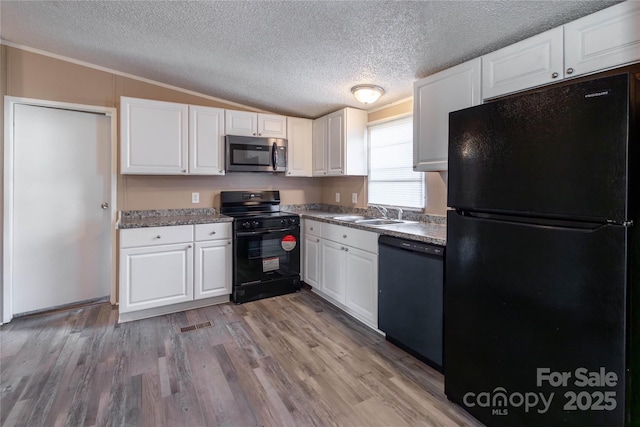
<point x="105" y="205"/>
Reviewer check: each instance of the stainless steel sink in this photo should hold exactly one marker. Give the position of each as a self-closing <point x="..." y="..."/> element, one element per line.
<point x="353" y="218"/>
<point x="379" y="221"/>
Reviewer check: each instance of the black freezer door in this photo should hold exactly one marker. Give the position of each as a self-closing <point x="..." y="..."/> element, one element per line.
<point x="522" y="297"/>
<point x="560" y="152"/>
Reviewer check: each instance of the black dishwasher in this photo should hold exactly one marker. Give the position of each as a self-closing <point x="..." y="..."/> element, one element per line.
<point x="410" y="300"/>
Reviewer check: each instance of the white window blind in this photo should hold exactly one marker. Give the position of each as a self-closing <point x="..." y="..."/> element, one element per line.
<point x="392" y="180"/>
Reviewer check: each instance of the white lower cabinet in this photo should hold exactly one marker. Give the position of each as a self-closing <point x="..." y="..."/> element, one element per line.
<point x="341" y="263"/>
<point x="212" y="273"/>
<point x="333" y="261"/>
<point x="361" y="274"/>
<point x="155" y="276"/>
<point x="311" y="262"/>
<point x="169" y="269"/>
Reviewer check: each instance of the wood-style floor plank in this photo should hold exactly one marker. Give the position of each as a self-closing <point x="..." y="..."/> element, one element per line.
<point x="293" y="360"/>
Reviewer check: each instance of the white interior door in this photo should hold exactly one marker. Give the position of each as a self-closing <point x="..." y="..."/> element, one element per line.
<point x="60" y="233"/>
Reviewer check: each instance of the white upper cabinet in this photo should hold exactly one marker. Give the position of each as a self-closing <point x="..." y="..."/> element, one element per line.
<point x="340" y="143"/>
<point x="245" y="123"/>
<point x="335" y="143"/>
<point x="272" y="126"/>
<point x="299" y="151"/>
<point x="206" y="140"/>
<point x="532" y="62"/>
<point x="166" y="138"/>
<point x="605" y="39"/>
<point x="154" y="137"/>
<point x="434" y="97"/>
<point x="319" y="137"/>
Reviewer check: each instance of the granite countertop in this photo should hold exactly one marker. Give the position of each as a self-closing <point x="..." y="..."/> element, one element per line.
<point x="428" y="232"/>
<point x="169" y="217"/>
<point x="429" y="229"/>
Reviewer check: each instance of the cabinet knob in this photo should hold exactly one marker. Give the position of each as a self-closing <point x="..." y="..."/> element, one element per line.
<point x="311" y="228"/>
<point x="228" y="242"/>
<point x="344" y="236"/>
<point x="324" y="173"/>
<point x="569" y="70"/>
<point x="184" y="171"/>
<point x="259" y="134"/>
<point x="158" y="236"/>
<point x="190" y="246"/>
<point x="105" y="205"/>
<point x="554" y="75"/>
<point x="342" y="171"/>
<point x="317" y="240"/>
<point x="289" y="173"/>
<point x="212" y="233"/>
<point x="221" y="170"/>
<point x="346" y="249"/>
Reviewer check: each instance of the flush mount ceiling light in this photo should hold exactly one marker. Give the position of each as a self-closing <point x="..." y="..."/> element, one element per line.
<point x="367" y="94"/>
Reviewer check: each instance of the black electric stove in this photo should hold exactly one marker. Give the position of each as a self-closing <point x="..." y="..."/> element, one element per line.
<point x="266" y="248"/>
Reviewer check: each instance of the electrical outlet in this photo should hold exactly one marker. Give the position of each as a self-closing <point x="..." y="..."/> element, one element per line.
<point x="338" y="197"/>
<point x="354" y="197"/>
<point x="195" y="197"/>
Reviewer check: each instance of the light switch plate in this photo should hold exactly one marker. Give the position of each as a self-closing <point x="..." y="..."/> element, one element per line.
<point x="354" y="197"/>
<point x="195" y="197"/>
<point x="338" y="197"/>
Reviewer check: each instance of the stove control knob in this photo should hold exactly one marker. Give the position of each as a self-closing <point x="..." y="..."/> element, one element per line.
<point x="246" y="225"/>
<point x="284" y="221"/>
<point x="255" y="224"/>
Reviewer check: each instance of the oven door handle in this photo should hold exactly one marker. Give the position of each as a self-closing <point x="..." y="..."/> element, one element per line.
<point x="255" y="233"/>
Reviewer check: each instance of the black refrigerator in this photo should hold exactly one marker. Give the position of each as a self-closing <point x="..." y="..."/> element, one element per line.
<point x="542" y="285"/>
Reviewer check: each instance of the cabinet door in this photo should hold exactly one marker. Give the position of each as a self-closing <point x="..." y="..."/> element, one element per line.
<point x="243" y="123"/>
<point x="434" y="97"/>
<point x="320" y="146"/>
<point x="299" y="152"/>
<point x="605" y="39"/>
<point x="212" y="268"/>
<point x="272" y="126"/>
<point x="155" y="276"/>
<point x="153" y="137"/>
<point x="532" y="62"/>
<point x="335" y="143"/>
<point x="332" y="273"/>
<point x="206" y="140"/>
<point x="362" y="284"/>
<point x="312" y="261"/>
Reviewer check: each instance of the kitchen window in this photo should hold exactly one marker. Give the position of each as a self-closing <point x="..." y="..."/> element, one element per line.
<point x="392" y="180"/>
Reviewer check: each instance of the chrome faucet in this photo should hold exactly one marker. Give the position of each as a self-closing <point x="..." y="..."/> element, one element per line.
<point x="381" y="209"/>
<point x="400" y="211"/>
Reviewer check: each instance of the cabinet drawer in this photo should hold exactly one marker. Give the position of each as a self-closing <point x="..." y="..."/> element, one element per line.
<point x="313" y="227"/>
<point x="364" y="240"/>
<point x="155" y="236"/>
<point x="219" y="230"/>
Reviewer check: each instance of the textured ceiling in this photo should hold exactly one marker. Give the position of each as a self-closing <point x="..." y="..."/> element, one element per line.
<point x="294" y="57"/>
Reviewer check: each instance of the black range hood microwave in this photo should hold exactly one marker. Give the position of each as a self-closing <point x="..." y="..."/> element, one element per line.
<point x="255" y="154"/>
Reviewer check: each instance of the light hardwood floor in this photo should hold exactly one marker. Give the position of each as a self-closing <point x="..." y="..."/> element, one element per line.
<point x="293" y="360"/>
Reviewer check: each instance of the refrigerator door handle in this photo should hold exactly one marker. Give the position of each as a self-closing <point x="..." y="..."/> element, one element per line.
<point x="536" y="222"/>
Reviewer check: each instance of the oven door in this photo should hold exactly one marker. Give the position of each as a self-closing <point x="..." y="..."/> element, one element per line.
<point x="263" y="256"/>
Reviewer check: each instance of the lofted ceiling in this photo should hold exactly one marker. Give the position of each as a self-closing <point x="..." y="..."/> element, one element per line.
<point x="297" y="58"/>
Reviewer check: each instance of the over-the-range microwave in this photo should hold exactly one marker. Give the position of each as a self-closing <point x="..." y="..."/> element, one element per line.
<point x="254" y="154"/>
